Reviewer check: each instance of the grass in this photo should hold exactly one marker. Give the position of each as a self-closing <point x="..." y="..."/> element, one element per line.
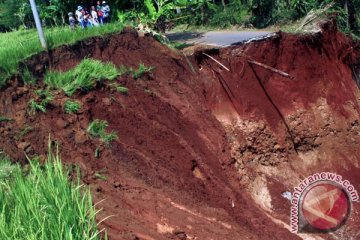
<point x="83" y="77"/>
<point x="21" y="45"/>
<point x="71" y="106"/>
<point x="6" y="168"/>
<point x="119" y="88"/>
<point x="137" y="73"/>
<point x="28" y="78"/>
<point x="5" y="119"/>
<point x="97" y="128"/>
<point x="24" y="131"/>
<point x="43" y="204"/>
<point x="39" y="105"/>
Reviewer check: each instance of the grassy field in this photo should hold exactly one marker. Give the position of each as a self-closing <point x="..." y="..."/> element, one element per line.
<point x="41" y="203"/>
<point x="19" y="45"/>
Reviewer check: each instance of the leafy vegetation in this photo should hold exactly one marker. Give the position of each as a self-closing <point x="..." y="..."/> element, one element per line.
<point x="43" y="204"/>
<point x="97" y="128"/>
<point x="71" y="106"/>
<point x="43" y="99"/>
<point x="137" y="73"/>
<point x="83" y="77"/>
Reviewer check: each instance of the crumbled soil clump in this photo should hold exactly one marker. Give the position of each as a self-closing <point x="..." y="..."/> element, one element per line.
<point x="196" y="142"/>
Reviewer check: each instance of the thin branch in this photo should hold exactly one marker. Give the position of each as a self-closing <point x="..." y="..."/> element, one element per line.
<point x="222" y="65"/>
<point x="282" y="73"/>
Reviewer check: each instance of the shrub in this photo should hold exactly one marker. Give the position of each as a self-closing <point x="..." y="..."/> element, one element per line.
<point x="234" y="14"/>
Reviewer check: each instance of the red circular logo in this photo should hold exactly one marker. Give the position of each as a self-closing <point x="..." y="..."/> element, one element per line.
<point x="325" y="206"/>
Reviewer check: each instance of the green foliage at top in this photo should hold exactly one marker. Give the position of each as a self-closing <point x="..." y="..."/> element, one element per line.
<point x="43" y="204"/>
<point x="18" y="45"/>
<point x="84" y="76"/>
<point x="97" y="128"/>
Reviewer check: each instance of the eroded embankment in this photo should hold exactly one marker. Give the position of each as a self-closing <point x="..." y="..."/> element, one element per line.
<point x="201" y="154"/>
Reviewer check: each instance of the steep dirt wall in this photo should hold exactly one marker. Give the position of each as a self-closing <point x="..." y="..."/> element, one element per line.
<point x="203" y="153"/>
<point x="297" y="116"/>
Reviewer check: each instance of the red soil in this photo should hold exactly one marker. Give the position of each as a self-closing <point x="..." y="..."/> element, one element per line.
<point x="190" y="154"/>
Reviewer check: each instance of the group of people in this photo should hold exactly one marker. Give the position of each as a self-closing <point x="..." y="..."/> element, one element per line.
<point x="94" y="16"/>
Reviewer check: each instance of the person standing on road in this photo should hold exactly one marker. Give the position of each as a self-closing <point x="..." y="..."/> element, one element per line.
<point x="106" y="11"/>
<point x="100" y="13"/>
<point x="80" y="16"/>
<point x="94" y="16"/>
<point x="71" y="20"/>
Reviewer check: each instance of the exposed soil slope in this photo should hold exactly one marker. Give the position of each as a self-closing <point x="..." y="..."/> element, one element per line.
<point x="202" y="153"/>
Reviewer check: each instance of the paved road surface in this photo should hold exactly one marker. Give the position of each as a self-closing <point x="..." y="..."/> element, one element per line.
<point x="217" y="38"/>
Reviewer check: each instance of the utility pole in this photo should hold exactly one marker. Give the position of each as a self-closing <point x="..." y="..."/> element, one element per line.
<point x="38" y="24"/>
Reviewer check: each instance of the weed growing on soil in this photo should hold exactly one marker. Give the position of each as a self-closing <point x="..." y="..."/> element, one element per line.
<point x="44" y="98"/>
<point x="28" y="78"/>
<point x="23" y="44"/>
<point x="84" y="76"/>
<point x="137" y="73"/>
<point x="43" y="204"/>
<point x="97" y="129"/>
<point x="120" y="88"/>
<point x="71" y="106"/>
<point x="23" y="132"/>
<point x="5" y="119"/>
<point x="100" y="174"/>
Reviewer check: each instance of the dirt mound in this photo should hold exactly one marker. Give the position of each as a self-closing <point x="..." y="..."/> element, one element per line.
<point x="202" y="153"/>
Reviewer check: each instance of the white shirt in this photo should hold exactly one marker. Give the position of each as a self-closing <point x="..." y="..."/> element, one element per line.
<point x="79" y="15"/>
<point x="94" y="15"/>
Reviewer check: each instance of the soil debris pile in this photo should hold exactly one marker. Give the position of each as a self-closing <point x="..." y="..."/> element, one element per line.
<point x="201" y="154"/>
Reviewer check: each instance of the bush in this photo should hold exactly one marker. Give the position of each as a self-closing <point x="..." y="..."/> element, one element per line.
<point x="234" y="14"/>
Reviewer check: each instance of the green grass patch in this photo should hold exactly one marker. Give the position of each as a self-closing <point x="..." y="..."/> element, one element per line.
<point x="71" y="106"/>
<point x="97" y="128"/>
<point x="83" y="77"/>
<point x="5" y="119"/>
<point x="19" y="45"/>
<point x="43" y="99"/>
<point x="142" y="69"/>
<point x="43" y="204"/>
